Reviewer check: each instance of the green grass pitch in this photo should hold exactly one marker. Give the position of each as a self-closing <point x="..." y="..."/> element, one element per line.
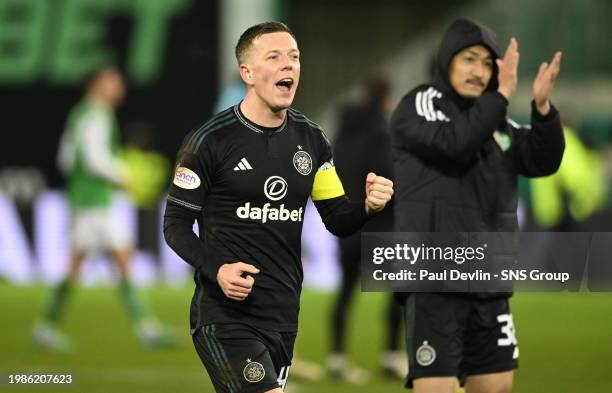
<point x="565" y="342"/>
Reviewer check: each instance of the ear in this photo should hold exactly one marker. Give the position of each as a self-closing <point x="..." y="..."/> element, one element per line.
<point x="246" y="74"/>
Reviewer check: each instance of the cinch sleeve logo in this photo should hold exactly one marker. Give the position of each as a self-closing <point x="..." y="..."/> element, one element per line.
<point x="186" y="178"/>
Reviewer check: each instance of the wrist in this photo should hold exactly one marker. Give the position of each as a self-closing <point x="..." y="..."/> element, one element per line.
<point x="505" y="92"/>
<point x="543" y="108"/>
<point x="369" y="210"/>
<point x="220" y="270"/>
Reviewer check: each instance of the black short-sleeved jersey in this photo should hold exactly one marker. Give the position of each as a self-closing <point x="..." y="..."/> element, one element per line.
<point x="250" y="187"/>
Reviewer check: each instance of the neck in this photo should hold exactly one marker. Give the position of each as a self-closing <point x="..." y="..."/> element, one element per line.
<point x="260" y="113"/>
<point x="98" y="100"/>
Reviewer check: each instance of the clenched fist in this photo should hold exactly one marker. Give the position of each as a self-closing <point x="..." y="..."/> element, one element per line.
<point x="379" y="191"/>
<point x="233" y="285"/>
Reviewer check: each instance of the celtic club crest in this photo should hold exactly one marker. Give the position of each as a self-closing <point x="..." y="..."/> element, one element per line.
<point x="254" y="372"/>
<point x="302" y="162"/>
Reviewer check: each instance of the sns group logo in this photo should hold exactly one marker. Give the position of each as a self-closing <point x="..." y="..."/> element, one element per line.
<point x="275" y="189"/>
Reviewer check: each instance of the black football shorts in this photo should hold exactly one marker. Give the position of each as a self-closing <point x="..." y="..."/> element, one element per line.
<point x="243" y="359"/>
<point x="458" y="335"/>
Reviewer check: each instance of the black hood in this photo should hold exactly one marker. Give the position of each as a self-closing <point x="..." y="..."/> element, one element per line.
<point x="460" y="35"/>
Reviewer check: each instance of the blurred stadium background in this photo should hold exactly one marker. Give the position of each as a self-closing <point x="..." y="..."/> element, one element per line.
<point x="178" y="59"/>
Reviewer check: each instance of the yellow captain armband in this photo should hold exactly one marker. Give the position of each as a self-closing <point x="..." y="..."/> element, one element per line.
<point x="326" y="184"/>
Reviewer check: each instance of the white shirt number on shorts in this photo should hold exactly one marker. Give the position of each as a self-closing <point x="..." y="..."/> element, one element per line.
<point x="507" y="330"/>
<point x="282" y="377"/>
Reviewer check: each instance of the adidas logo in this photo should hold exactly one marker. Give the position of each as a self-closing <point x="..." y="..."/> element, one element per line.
<point x="243" y="165"/>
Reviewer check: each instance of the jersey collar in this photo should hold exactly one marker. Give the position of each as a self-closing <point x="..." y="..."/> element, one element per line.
<point x="254" y="127"/>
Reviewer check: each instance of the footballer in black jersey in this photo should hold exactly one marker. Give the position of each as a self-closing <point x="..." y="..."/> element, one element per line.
<point x="245" y="176"/>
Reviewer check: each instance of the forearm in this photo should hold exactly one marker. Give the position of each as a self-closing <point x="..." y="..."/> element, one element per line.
<point x="341" y="216"/>
<point x="97" y="154"/>
<point x="474" y="127"/>
<point x="546" y="143"/>
<point x="105" y="167"/>
<point x="178" y="232"/>
<point x="458" y="139"/>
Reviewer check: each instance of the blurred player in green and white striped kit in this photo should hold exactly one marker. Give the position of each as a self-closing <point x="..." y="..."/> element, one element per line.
<point x="89" y="157"/>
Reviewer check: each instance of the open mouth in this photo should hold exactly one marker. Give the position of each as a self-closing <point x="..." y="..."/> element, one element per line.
<point x="285" y="84"/>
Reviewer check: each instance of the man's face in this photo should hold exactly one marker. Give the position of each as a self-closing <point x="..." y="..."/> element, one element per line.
<point x="272" y="68"/>
<point x="470" y="71"/>
<point x="111" y="86"/>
